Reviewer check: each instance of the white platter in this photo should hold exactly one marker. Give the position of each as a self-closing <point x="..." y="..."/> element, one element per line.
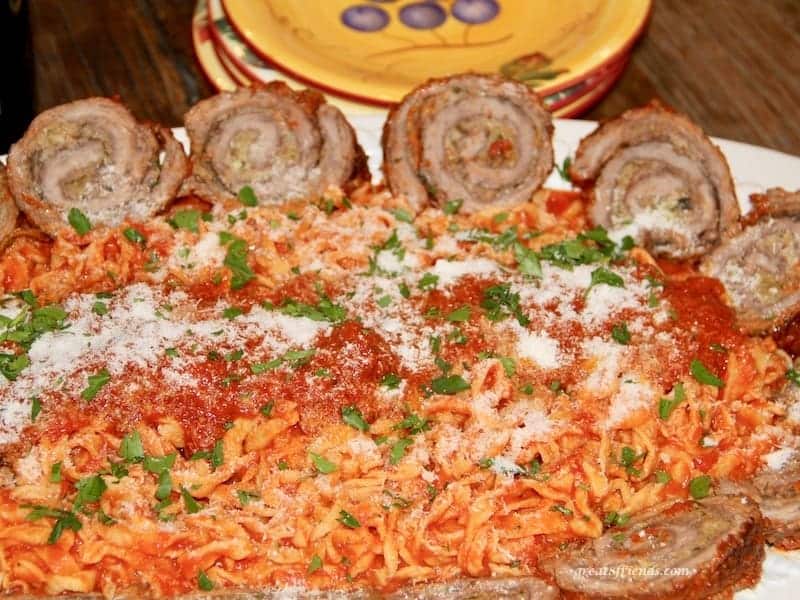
<point x="754" y="170"/>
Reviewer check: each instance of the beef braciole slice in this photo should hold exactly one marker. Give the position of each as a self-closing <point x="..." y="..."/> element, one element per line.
<point x="682" y="549"/>
<point x="776" y="488"/>
<point x="760" y="266"/>
<point x="501" y="588"/>
<point x="480" y="139"/>
<point x="8" y="209"/>
<point x="283" y="144"/>
<point x="658" y="178"/>
<point x="93" y="156"/>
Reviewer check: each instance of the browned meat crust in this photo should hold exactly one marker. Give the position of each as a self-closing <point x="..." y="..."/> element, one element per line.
<point x="8" y="209"/>
<point x="657" y="177"/>
<point x="778" y="495"/>
<point x="681" y="550"/>
<point x="760" y="266"/>
<point x="94" y="156"/>
<point x="480" y="139"/>
<point x="527" y="588"/>
<point x="283" y="144"/>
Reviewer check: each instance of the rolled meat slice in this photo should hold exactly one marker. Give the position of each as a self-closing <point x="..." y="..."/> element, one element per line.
<point x="8" y="209"/>
<point x="92" y="155"/>
<point x="480" y="139"/>
<point x="680" y="550"/>
<point x="760" y="267"/>
<point x="517" y="588"/>
<point x="776" y="488"/>
<point x="657" y="177"/>
<point x="283" y="144"/>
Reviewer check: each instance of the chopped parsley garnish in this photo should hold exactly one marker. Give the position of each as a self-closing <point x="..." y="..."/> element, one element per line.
<point x="79" y="221"/>
<point x="247" y="196"/>
<point x="701" y="373"/>
<point x="563" y="169"/>
<point x="282" y="465"/>
<point x="100" y="308"/>
<point x="36" y="407"/>
<point x="793" y="376"/>
<point x="500" y="217"/>
<point x="460" y="314"/>
<point x="602" y="276"/>
<point x="428" y="281"/>
<point x="348" y="520"/>
<point x="236" y="261"/>
<point x="384" y="301"/>
<point x="203" y="582"/>
<point x="232" y="312"/>
<point x="662" y="477"/>
<point x="245" y="497"/>
<point x="266" y="410"/>
<point x="700" y="486"/>
<point x="171" y="352"/>
<point x="352" y="416"/>
<point x="192" y="506"/>
<point x="452" y="207"/>
<point x="186" y="219"/>
<point x="500" y="303"/>
<point x="391" y="381"/>
<point x="25" y="329"/>
<point x="628" y="458"/>
<point x="403" y="215"/>
<point x="322" y="464"/>
<point x="405" y="292"/>
<point x="234" y="355"/>
<point x="64" y="520"/>
<point x="131" y="449"/>
<point x="55" y="472"/>
<point x="449" y="384"/>
<point x="89" y="490"/>
<point x="620" y="333"/>
<point x="324" y="310"/>
<point x="28" y="297"/>
<point x="315" y="564"/>
<point x="615" y="519"/>
<point x="667" y="405"/>
<point x="397" y="500"/>
<point x="457" y="336"/>
<point x="159" y="464"/>
<point x="164" y="488"/>
<point x="258" y="368"/>
<point x="413" y="423"/>
<point x="527" y="261"/>
<point x="486" y="463"/>
<point x="562" y="509"/>
<point x="96" y="382"/>
<point x="399" y="449"/>
<point x="509" y="366"/>
<point x="134" y="236"/>
<point x="526" y="389"/>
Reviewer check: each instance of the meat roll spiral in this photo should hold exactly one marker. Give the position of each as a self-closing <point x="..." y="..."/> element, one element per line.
<point x="659" y="179"/>
<point x="681" y="549"/>
<point x="283" y="144"/>
<point x="760" y="267"/>
<point x="476" y="138"/>
<point x="8" y="209"/>
<point x="94" y="156"/>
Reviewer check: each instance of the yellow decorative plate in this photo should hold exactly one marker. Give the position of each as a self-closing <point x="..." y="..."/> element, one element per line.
<point x="378" y="50"/>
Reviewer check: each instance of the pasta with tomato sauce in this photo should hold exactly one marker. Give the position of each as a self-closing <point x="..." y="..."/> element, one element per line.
<point x="339" y="394"/>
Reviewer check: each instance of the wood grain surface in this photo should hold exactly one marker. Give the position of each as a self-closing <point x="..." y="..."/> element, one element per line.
<point x="732" y="65"/>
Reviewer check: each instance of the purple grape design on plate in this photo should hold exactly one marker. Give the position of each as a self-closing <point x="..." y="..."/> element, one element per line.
<point x="475" y="12"/>
<point x="364" y="17"/>
<point x="422" y="15"/>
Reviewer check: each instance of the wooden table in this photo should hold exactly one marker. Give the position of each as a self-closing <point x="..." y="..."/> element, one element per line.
<point x="732" y="65"/>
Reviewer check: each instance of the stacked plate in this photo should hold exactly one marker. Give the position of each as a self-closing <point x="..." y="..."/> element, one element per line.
<point x="366" y="55"/>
